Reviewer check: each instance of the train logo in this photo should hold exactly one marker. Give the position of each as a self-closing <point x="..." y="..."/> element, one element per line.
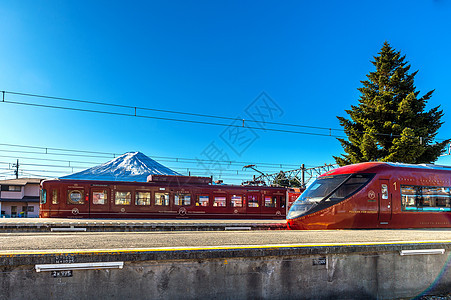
<point x="182" y="211"/>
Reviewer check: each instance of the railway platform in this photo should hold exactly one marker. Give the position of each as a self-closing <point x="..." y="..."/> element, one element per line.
<point x="128" y="225"/>
<point x="396" y="264"/>
<point x="232" y="259"/>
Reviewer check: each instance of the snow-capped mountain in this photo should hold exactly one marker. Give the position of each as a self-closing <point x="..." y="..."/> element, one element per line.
<point x="131" y="166"/>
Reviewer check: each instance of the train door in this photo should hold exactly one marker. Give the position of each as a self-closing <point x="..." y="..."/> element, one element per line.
<point x="385" y="198"/>
<point x="202" y="203"/>
<point x="183" y="202"/>
<point x="253" y="203"/>
<point x="99" y="202"/>
<point x="122" y="201"/>
<point x="283" y="205"/>
<point x="237" y="204"/>
<point x="76" y="204"/>
<point x="54" y="202"/>
<point x="270" y="205"/>
<point x="219" y="203"/>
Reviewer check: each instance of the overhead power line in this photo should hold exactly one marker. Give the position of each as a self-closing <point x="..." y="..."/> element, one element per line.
<point x="107" y="155"/>
<point x="179" y="169"/>
<point x="136" y="108"/>
<point x="166" y="111"/>
<point x="53" y="174"/>
<point x="57" y="173"/>
<point x="171" y="119"/>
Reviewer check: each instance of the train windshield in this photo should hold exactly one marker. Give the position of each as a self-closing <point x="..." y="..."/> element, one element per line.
<point x="327" y="190"/>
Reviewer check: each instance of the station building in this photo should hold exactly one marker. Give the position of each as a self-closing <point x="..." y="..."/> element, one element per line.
<point x="19" y="197"/>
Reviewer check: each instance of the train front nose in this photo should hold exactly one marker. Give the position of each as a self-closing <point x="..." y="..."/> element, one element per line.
<point x="294" y="225"/>
<point x="298" y="210"/>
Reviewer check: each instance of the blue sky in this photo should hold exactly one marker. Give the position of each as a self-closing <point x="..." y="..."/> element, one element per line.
<point x="205" y="57"/>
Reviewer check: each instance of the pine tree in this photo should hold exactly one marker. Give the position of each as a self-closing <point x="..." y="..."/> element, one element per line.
<point x="390" y="122"/>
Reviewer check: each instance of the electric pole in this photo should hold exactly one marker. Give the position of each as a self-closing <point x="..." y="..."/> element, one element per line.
<point x="16" y="171"/>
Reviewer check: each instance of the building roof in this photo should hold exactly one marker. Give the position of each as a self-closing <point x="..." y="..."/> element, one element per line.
<point x="21" y="181"/>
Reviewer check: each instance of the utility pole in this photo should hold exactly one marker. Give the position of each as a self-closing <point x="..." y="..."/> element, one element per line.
<point x="303" y="176"/>
<point x="16" y="171"/>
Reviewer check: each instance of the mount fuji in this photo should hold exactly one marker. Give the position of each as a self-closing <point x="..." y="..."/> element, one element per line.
<point x="131" y="166"/>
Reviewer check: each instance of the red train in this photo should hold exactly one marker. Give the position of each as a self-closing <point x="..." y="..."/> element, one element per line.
<point x="376" y="195"/>
<point x="163" y="196"/>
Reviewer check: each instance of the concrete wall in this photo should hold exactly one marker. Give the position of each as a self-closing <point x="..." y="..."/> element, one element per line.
<point x="355" y="272"/>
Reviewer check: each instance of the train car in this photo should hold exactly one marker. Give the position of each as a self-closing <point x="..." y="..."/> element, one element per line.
<point x="163" y="196"/>
<point x="376" y="195"/>
<point x="293" y="195"/>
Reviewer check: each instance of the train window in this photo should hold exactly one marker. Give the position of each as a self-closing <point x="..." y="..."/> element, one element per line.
<point x="282" y="202"/>
<point x="202" y="200"/>
<point x="252" y="201"/>
<point x="349" y="187"/>
<point x="99" y="197"/>
<point x="270" y="201"/>
<point x="321" y="188"/>
<point x="219" y="201"/>
<point x="142" y="198"/>
<point x="436" y="196"/>
<point x="236" y="201"/>
<point x="384" y="191"/>
<point x="55" y="197"/>
<point x="75" y="197"/>
<point x="427" y="201"/>
<point x="425" y="198"/>
<point x="409" y="196"/>
<point x="43" y="196"/>
<point x="182" y="199"/>
<point x="162" y="199"/>
<point x="123" y="198"/>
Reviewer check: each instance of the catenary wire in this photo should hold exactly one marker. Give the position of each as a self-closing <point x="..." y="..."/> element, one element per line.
<point x="165" y="111"/>
<point x="92" y="164"/>
<point x="185" y="113"/>
<point x="113" y="155"/>
<point x="181" y="120"/>
<point x="193" y="171"/>
<point x="175" y="120"/>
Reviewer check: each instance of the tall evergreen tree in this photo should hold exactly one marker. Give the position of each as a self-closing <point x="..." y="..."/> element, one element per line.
<point x="390" y="122"/>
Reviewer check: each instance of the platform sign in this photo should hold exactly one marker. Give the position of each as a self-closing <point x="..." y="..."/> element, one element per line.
<point x="320" y="261"/>
<point x="59" y="274"/>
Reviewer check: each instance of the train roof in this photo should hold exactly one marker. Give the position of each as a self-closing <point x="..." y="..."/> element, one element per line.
<point x="368" y="167"/>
